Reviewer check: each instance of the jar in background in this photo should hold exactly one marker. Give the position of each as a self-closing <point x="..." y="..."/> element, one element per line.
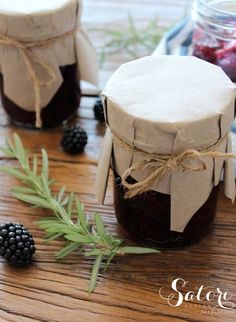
<point x="165" y="190"/>
<point x="44" y="53"/>
<point x="214" y="36"/>
<point x="63" y="104"/>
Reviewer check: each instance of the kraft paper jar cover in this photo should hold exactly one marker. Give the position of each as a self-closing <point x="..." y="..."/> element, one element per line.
<point x="29" y="23"/>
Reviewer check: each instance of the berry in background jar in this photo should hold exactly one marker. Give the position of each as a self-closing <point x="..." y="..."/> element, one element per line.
<point x="214" y="36"/>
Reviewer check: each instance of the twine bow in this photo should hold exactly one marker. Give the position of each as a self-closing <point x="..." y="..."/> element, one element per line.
<point x="163" y="165"/>
<point x="30" y="59"/>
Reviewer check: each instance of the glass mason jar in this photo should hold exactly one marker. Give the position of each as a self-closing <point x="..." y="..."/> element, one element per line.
<point x="214" y="36"/>
<point x="63" y="104"/>
<point x="44" y="53"/>
<point x="147" y="217"/>
<point x="153" y="121"/>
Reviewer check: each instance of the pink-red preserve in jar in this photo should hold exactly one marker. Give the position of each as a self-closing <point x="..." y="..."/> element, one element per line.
<point x="214" y="36"/>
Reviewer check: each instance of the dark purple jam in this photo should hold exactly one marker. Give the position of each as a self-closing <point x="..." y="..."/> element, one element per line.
<point x="60" y="108"/>
<point x="146" y="218"/>
<point x="215" y="51"/>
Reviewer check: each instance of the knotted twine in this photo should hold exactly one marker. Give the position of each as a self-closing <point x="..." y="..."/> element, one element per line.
<point x="164" y="164"/>
<point x="29" y="59"/>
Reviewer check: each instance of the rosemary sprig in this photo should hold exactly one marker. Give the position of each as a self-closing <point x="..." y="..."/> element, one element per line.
<point x="134" y="41"/>
<point x="69" y="220"/>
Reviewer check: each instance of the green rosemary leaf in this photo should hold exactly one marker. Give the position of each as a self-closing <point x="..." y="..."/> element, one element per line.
<point x="16" y="173"/>
<point x="44" y="164"/>
<point x="46" y="226"/>
<point x="11" y="146"/>
<point x="137" y="250"/>
<point x="80" y="213"/>
<point x="64" y="202"/>
<point x="67" y="250"/>
<point x="56" y="228"/>
<point x="33" y="200"/>
<point x="46" y="220"/>
<point x="24" y="190"/>
<point x="110" y="258"/>
<point x="19" y="148"/>
<point x="95" y="252"/>
<point x="7" y="152"/>
<point x="52" y="236"/>
<point x="45" y="186"/>
<point x="79" y="238"/>
<point x="99" y="225"/>
<point x="35" y="181"/>
<point x="70" y="204"/>
<point x="94" y="274"/>
<point x="35" y="164"/>
<point x="61" y="194"/>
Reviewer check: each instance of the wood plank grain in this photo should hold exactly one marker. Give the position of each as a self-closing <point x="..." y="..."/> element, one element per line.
<point x="132" y="276"/>
<point x="56" y="291"/>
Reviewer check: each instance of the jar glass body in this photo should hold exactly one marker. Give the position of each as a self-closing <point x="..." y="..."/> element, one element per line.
<point x="63" y="105"/>
<point x="146" y="218"/>
<point x="214" y="36"/>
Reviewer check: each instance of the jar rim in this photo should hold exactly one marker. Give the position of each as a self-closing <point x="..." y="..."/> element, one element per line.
<point x="211" y="7"/>
<point x="213" y="20"/>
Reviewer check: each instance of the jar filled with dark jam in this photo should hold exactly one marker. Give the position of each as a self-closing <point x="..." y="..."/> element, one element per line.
<point x="165" y="189"/>
<point x="63" y="104"/>
<point x="44" y="54"/>
<point x="146" y="217"/>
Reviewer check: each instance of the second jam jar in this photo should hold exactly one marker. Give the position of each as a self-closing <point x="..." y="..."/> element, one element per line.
<point x="214" y="37"/>
<point x="162" y="114"/>
<point x="44" y="53"/>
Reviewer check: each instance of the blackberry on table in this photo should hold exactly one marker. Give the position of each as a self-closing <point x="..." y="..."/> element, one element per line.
<point x="74" y="139"/>
<point x="16" y="244"/>
<point x="99" y="111"/>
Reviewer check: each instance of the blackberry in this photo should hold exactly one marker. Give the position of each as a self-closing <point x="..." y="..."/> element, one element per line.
<point x="16" y="244"/>
<point x="74" y="139"/>
<point x="99" y="111"/>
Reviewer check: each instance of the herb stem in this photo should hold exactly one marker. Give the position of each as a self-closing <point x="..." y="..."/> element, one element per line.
<point x="90" y="238"/>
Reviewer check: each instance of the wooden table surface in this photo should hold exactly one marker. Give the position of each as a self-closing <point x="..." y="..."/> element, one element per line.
<point x="129" y="291"/>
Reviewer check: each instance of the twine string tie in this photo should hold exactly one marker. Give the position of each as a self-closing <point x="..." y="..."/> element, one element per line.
<point x="163" y="165"/>
<point x="30" y="59"/>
